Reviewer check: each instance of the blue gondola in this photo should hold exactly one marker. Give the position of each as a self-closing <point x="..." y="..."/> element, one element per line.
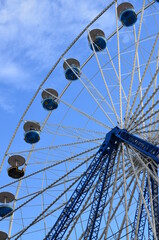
<point x="72" y="74"/>
<point x="15" y="172"/>
<point x="16" y="161"/>
<point x="5" y="198"/>
<point x="5" y="209"/>
<point x="32" y="136"/>
<point x="49" y="96"/>
<point x="49" y="104"/>
<point x="32" y="132"/>
<point x="126" y="14"/>
<point x="97" y="39"/>
<point x="72" y="69"/>
<point x="3" y="235"/>
<point x="99" y="44"/>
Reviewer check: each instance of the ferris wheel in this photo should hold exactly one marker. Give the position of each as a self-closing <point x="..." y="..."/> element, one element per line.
<point x="83" y="160"/>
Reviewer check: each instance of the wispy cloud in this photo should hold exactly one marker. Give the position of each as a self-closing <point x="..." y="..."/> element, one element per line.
<point x="34" y="34"/>
<point x="6" y="103"/>
<point x="38" y="30"/>
<point x="13" y="75"/>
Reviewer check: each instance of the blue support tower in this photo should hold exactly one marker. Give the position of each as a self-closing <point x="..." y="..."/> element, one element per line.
<point x="101" y="195"/>
<point x="155" y="197"/>
<point x="142" y="146"/>
<point x="143" y="215"/>
<point x="102" y="166"/>
<point x="78" y="196"/>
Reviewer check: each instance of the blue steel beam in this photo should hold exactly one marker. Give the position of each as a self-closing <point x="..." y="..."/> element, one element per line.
<point x="141" y="145"/>
<point x="150" y="232"/>
<point x="147" y="149"/>
<point x="74" y="203"/>
<point x="155" y="197"/>
<point x="115" y="136"/>
<point x="143" y="215"/>
<point x="78" y="196"/>
<point x="100" y="195"/>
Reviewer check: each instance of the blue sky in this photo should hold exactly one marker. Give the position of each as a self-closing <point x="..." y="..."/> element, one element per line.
<point x="33" y="35"/>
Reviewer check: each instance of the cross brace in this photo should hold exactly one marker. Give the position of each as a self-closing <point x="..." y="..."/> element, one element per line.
<point x="138" y="227"/>
<point x="100" y="196"/>
<point x="104" y="158"/>
<point x="155" y="197"/>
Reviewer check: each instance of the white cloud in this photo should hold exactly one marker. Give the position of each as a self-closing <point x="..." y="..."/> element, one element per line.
<point x="39" y="29"/>
<point x="34" y="33"/>
<point x="10" y="71"/>
<point x="6" y="104"/>
<point x="13" y="75"/>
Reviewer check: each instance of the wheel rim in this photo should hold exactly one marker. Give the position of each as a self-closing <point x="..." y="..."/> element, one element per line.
<point x="85" y="131"/>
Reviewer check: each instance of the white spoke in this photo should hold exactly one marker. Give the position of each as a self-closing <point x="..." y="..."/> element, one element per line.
<point x="144" y="165"/>
<point x="155" y="82"/>
<point x="125" y="194"/>
<point x="116" y="73"/>
<point x="139" y="208"/>
<point x="102" y="74"/>
<point x="139" y="74"/>
<point x="143" y="76"/>
<point x="116" y="208"/>
<point x="129" y="204"/>
<point x="92" y="91"/>
<point x="81" y="112"/>
<point x="112" y="197"/>
<point x="119" y="67"/>
<point x="151" y="201"/>
<point x="82" y="210"/>
<point x="134" y="64"/>
<point x="137" y="113"/>
<point x="142" y="119"/>
<point x="143" y="199"/>
<point x="117" y="86"/>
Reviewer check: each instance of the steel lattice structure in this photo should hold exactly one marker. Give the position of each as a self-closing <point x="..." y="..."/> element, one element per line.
<point x="84" y="157"/>
<point x="102" y="165"/>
